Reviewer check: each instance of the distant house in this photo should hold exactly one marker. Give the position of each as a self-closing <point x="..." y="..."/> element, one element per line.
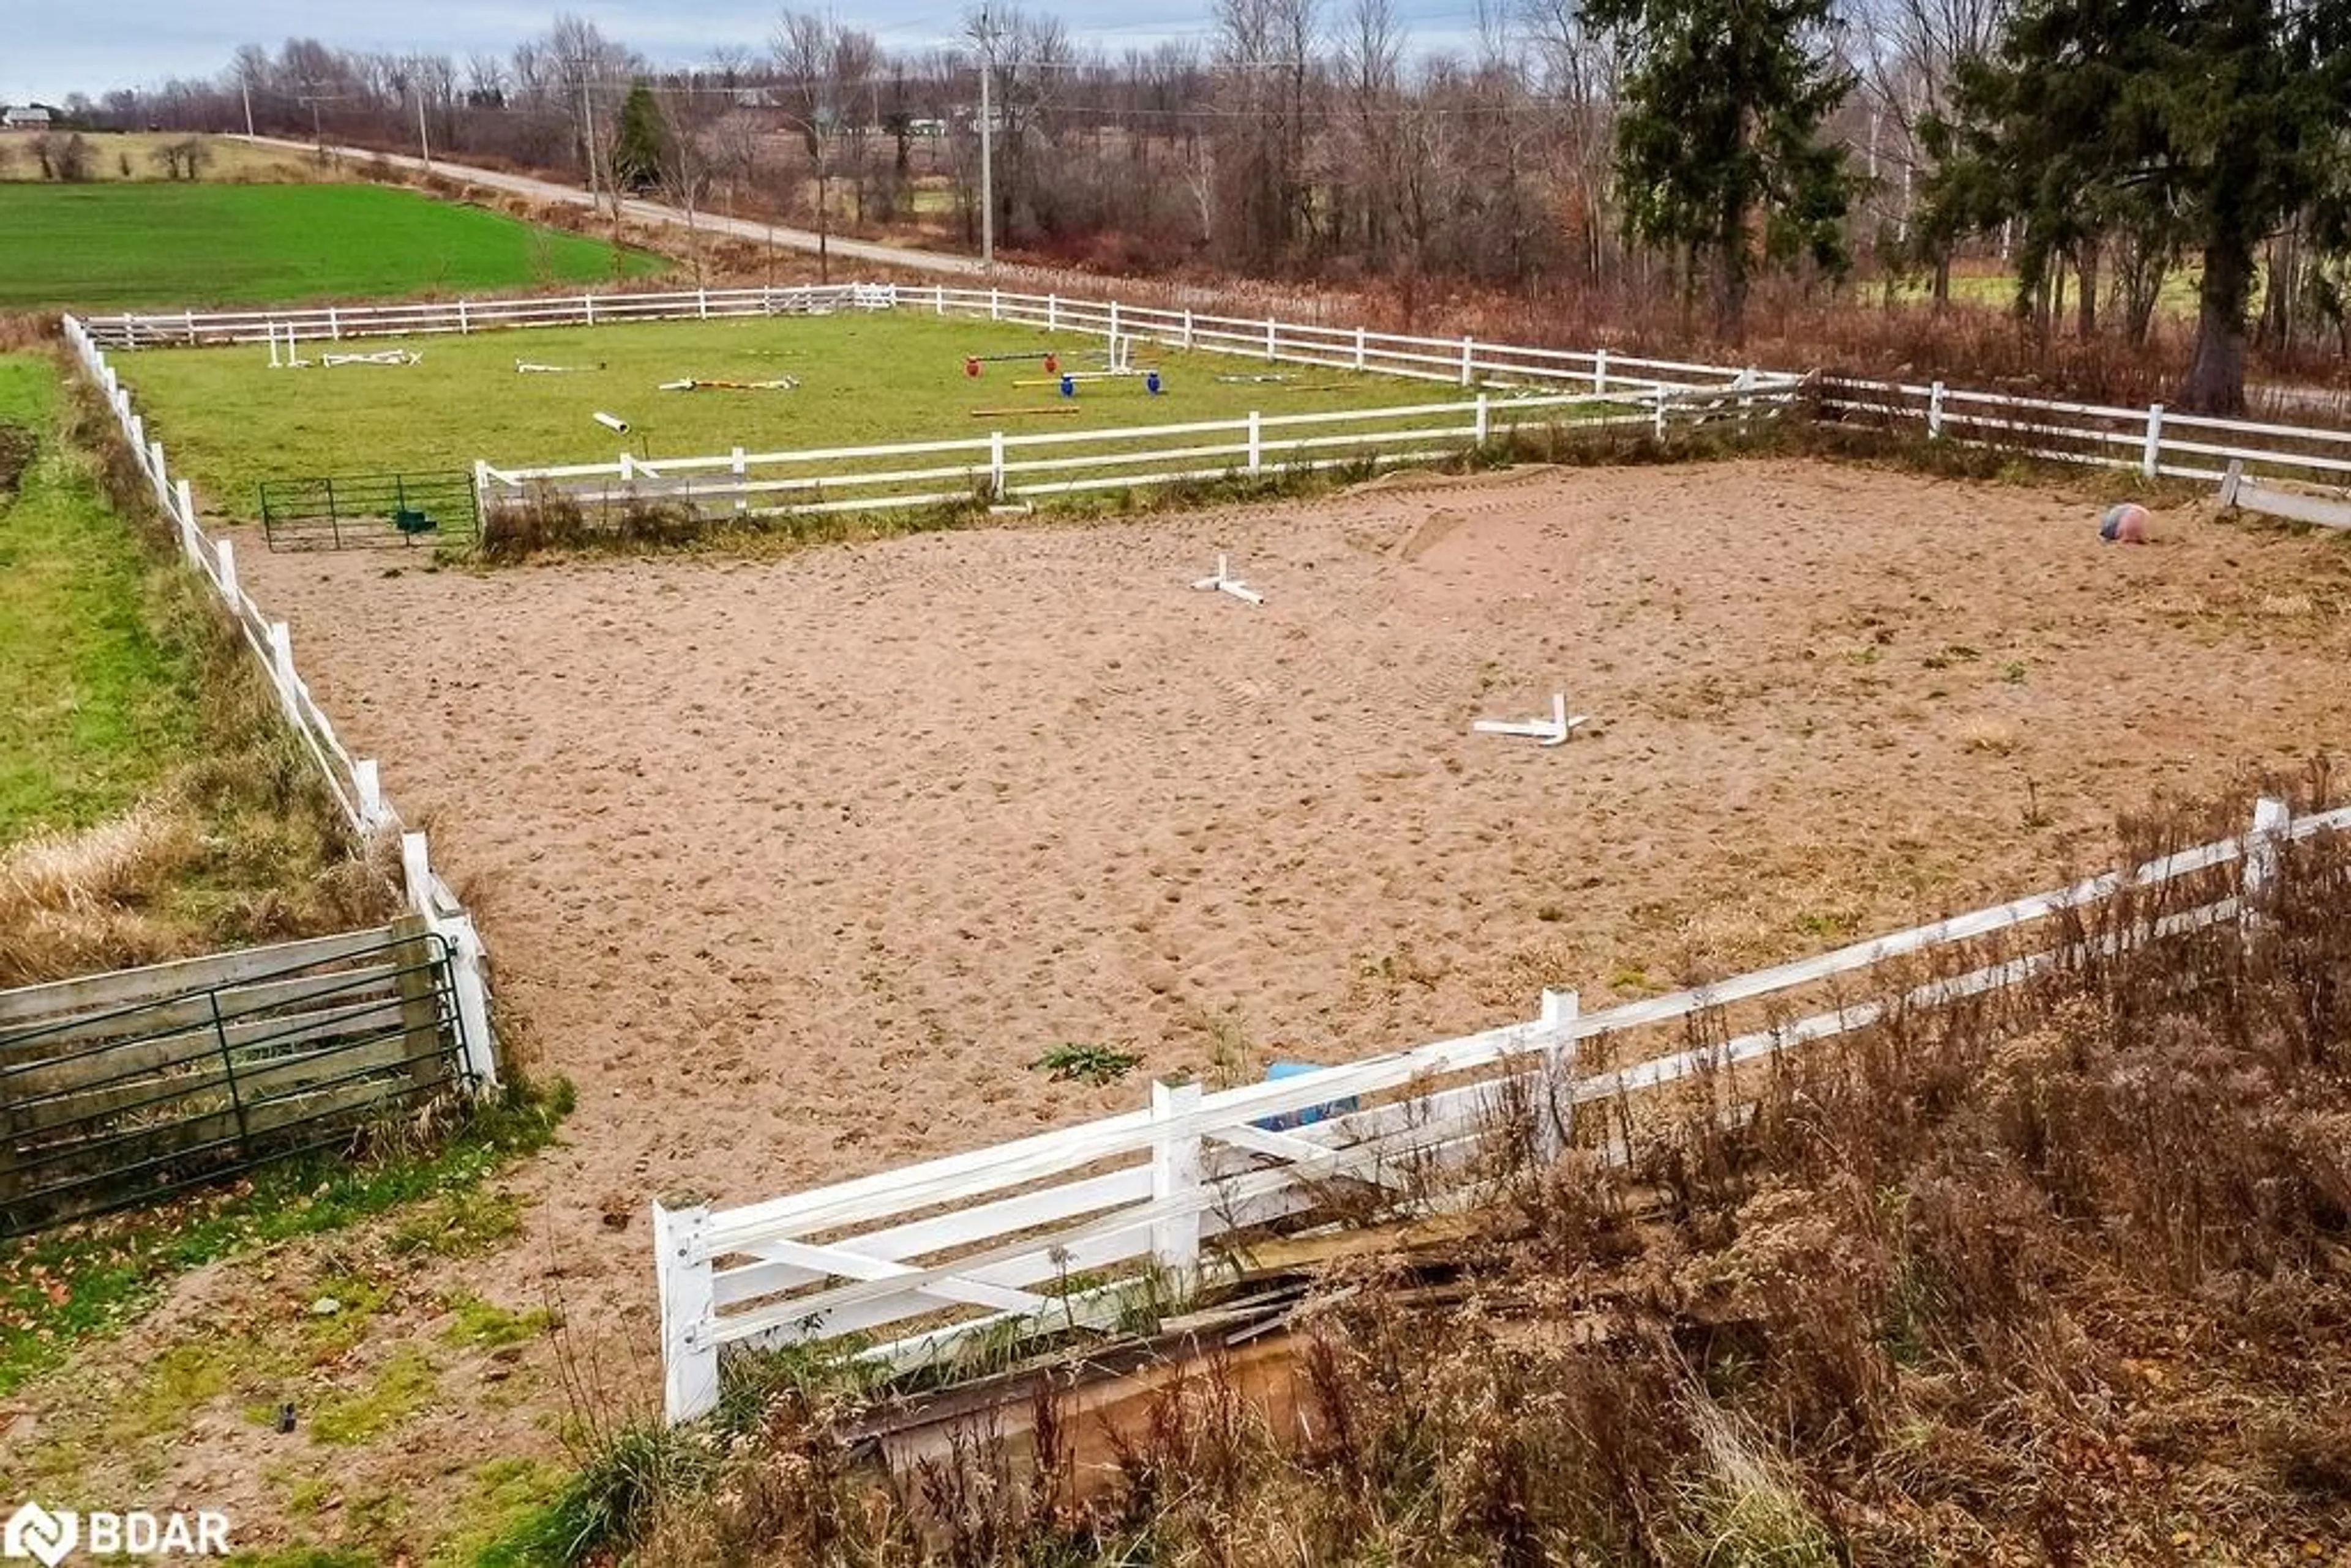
<point x="29" y="117"/>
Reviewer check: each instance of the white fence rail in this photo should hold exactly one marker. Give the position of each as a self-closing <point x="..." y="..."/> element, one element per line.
<point x="989" y="1242"/>
<point x="354" y="782"/>
<point x="336" y="323"/>
<point x="2154" y="441"/>
<point x="1012" y="467"/>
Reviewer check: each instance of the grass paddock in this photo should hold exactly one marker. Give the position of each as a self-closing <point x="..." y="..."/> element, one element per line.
<point x="230" y="421"/>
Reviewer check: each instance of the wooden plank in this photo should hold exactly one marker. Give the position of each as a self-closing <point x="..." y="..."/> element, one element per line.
<point x="126" y="988"/>
<point x="255" y="1037"/>
<point x="223" y="1129"/>
<point x="236" y="1002"/>
<point x="420" y="1008"/>
<point x="169" y="1096"/>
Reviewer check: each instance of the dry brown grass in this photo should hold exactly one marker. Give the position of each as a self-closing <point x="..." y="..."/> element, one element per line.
<point x="2061" y="1273"/>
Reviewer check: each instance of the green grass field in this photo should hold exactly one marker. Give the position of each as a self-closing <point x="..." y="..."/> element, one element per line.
<point x="231" y="422"/>
<point x="107" y="248"/>
<point x="93" y="709"/>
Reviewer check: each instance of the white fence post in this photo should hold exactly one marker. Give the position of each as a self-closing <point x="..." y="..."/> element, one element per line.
<point x="689" y="1356"/>
<point x="742" y="501"/>
<point x="1272" y="352"/>
<point x="1113" y="324"/>
<point x="466" y="964"/>
<point x="1746" y="396"/>
<point x="1934" y="411"/>
<point x="939" y="298"/>
<point x="139" y="432"/>
<point x="588" y="304"/>
<point x="1052" y="312"/>
<point x="996" y="464"/>
<point x="627" y="467"/>
<point x="1363" y="344"/>
<point x="1657" y="418"/>
<point x="281" y="669"/>
<point x="1175" y="1169"/>
<point x="1188" y="331"/>
<point x="1555" y="1100"/>
<point x="1598" y="370"/>
<point x="465" y="957"/>
<point x="416" y="873"/>
<point x="702" y="303"/>
<point x="367" y="782"/>
<point x="189" y="533"/>
<point x="1256" y="441"/>
<point x="334" y="325"/>
<point x="1468" y="353"/>
<point x="2271" y="819"/>
<point x="2148" y="463"/>
<point x="464" y="326"/>
<point x="1479" y="428"/>
<point x="996" y="305"/>
<point x="481" y="491"/>
<point x="224" y="552"/>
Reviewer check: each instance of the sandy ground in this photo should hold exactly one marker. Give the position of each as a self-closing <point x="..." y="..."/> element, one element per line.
<point x="794" y="866"/>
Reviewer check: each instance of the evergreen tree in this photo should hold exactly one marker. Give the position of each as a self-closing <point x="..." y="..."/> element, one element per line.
<point x="2201" y="126"/>
<point x="641" y="143"/>
<point x="1718" y="146"/>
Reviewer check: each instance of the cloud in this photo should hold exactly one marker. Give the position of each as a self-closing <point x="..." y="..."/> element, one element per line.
<point x="52" y="50"/>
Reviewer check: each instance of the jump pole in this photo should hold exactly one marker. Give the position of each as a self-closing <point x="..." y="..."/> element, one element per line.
<point x="1552" y="731"/>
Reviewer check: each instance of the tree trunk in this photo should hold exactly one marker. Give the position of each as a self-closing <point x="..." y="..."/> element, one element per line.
<point x="2216" y="375"/>
<point x="1731" y="311"/>
<point x="1942" y="281"/>
<point x="2085" y="312"/>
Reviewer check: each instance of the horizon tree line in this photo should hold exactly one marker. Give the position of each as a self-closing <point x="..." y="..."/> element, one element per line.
<point x="1681" y="149"/>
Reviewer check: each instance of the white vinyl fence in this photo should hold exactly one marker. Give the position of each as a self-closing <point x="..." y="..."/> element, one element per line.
<point x="1007" y="468"/>
<point x="998" y="1241"/>
<point x="354" y="782"/>
<point x="2154" y="441"/>
<point x="337" y="323"/>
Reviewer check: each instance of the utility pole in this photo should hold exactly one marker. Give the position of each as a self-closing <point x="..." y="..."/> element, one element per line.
<point x="587" y="119"/>
<point x="245" y="86"/>
<point x="424" y="143"/>
<point x="986" y="143"/>
<point x="318" y="133"/>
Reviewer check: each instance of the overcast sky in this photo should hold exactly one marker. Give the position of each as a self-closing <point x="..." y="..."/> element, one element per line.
<point x="48" y="50"/>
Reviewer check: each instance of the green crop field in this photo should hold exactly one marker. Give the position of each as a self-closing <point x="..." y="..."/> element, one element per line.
<point x="107" y="248"/>
<point x="230" y="421"/>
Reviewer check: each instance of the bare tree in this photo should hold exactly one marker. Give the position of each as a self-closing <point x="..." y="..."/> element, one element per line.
<point x="825" y="68"/>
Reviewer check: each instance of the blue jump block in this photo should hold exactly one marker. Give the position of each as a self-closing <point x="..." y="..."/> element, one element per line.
<point x="1309" y="1115"/>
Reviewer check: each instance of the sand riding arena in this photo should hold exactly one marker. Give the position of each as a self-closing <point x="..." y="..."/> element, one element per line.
<point x="796" y="866"/>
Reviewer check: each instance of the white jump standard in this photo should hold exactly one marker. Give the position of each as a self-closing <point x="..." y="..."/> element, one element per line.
<point x="1552" y="731"/>
<point x="1226" y="582"/>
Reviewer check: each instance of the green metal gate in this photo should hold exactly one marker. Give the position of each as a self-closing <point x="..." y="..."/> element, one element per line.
<point x="126" y="1088"/>
<point x="368" y="511"/>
